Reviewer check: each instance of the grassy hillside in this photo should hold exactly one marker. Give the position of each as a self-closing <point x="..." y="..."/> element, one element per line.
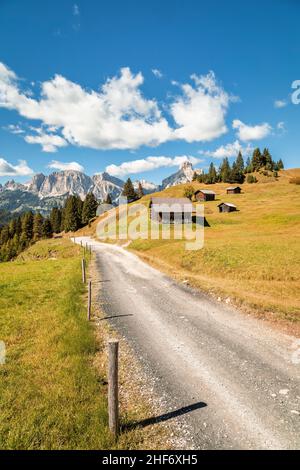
<point x="251" y="256"/>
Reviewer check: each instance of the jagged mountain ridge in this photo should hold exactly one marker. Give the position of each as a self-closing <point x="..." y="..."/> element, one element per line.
<point x="44" y="192"/>
<point x="183" y="175"/>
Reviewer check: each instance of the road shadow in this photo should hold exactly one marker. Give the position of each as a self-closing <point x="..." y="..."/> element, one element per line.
<point x="164" y="417"/>
<point x="117" y="316"/>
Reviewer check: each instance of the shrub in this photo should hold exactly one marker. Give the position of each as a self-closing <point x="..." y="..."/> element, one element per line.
<point x="251" y="179"/>
<point x="188" y="192"/>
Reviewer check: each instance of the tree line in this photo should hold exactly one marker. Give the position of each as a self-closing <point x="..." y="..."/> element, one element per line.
<point x="29" y="228"/>
<point x="236" y="173"/>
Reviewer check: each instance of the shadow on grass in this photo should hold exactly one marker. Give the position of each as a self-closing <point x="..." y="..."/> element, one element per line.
<point x="164" y="417"/>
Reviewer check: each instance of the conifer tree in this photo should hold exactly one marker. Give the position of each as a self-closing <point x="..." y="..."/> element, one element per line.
<point x="89" y="208"/>
<point x="140" y="191"/>
<point x="46" y="228"/>
<point x="55" y="219"/>
<point x="280" y="164"/>
<point x="128" y="191"/>
<point x="225" y="171"/>
<point x="38" y="221"/>
<point x="256" y="161"/>
<point x="72" y="214"/>
<point x="240" y="162"/>
<point x="27" y="226"/>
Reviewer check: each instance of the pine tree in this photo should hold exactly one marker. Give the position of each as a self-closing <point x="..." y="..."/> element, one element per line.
<point x="89" y="208"/>
<point x="55" y="219"/>
<point x="27" y="226"/>
<point x="225" y="171"/>
<point x="280" y="164"/>
<point x="18" y="230"/>
<point x="212" y="174"/>
<point x="140" y="191"/>
<point x="256" y="161"/>
<point x="12" y="227"/>
<point x="46" y="228"/>
<point x="128" y="191"/>
<point x="240" y="162"/>
<point x="38" y="221"/>
<point x="72" y="214"/>
<point x="267" y="160"/>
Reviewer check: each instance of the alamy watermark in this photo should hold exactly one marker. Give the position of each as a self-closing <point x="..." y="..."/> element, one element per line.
<point x="2" y="352"/>
<point x="296" y="93"/>
<point x="165" y="219"/>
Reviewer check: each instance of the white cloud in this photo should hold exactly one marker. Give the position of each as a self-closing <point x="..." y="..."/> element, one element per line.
<point x="280" y="103"/>
<point x="157" y="73"/>
<point x="49" y="142"/>
<point x="246" y="132"/>
<point x="148" y="164"/>
<point x="14" y="129"/>
<point x="117" y="116"/>
<point x="76" y="11"/>
<point x="228" y="150"/>
<point x="200" y="112"/>
<point x="7" y="169"/>
<point x="56" y="165"/>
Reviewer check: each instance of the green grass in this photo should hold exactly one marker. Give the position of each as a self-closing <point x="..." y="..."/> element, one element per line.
<point x="50" y="394"/>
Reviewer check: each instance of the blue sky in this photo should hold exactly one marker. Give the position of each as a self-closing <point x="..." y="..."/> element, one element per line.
<point x="104" y="83"/>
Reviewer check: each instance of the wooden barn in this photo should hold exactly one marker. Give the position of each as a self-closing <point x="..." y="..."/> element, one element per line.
<point x="205" y="195"/>
<point x="171" y="210"/>
<point x="233" y="190"/>
<point x="227" y="207"/>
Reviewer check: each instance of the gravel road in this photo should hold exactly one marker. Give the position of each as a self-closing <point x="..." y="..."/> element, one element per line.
<point x="233" y="380"/>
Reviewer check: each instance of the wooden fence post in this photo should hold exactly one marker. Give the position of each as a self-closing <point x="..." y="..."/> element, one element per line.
<point x="83" y="270"/>
<point x="113" y="395"/>
<point x="89" y="301"/>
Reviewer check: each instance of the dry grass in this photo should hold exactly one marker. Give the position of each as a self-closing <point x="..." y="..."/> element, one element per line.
<point x="251" y="256"/>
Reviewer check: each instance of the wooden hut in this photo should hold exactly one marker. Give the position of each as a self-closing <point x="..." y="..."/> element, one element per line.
<point x="227" y="207"/>
<point x="171" y="210"/>
<point x="205" y="195"/>
<point x="233" y="190"/>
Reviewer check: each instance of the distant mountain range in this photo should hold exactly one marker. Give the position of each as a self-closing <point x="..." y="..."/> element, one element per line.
<point x="44" y="192"/>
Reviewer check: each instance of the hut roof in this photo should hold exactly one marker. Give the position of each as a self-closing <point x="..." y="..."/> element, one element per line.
<point x="179" y="203"/>
<point x="226" y="204"/>
<point x="233" y="187"/>
<point x="205" y="191"/>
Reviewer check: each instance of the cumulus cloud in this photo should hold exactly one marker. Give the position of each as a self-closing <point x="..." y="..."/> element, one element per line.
<point x="61" y="166"/>
<point x="49" y="142"/>
<point x="246" y="132"/>
<point x="280" y="103"/>
<point x="7" y="169"/>
<point x="117" y="116"/>
<point x="200" y="112"/>
<point x="148" y="164"/>
<point x="14" y="129"/>
<point x="228" y="150"/>
<point x="157" y="73"/>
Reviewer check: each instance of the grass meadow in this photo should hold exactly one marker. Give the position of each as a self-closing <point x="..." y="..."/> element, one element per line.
<point x="251" y="256"/>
